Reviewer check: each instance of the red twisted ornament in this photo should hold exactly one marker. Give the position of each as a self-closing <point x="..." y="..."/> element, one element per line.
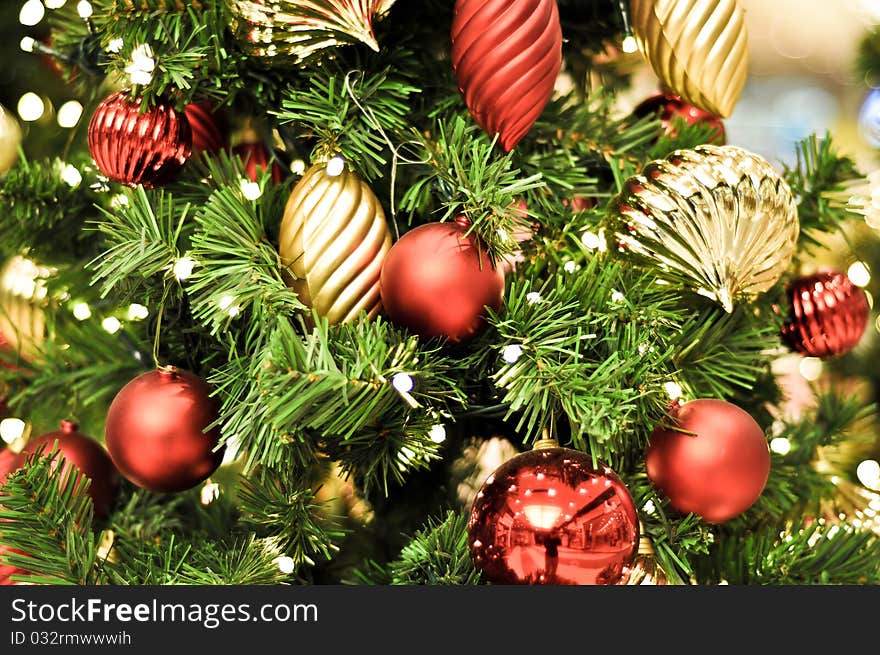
<point x="205" y="123"/>
<point x="506" y="55"/>
<point x="827" y="315"/>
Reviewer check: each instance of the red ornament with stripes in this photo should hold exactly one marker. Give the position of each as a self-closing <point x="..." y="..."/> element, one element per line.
<point x="206" y="126"/>
<point x="255" y="158"/>
<point x="139" y="147"/>
<point x="827" y="315"/>
<point x="506" y="55"/>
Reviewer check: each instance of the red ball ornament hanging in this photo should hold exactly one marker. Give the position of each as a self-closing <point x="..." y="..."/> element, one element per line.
<point x="88" y="456"/>
<point x="506" y="55"/>
<point x="9" y="462"/>
<point x="712" y="460"/>
<point x="670" y="108"/>
<point x="156" y="430"/>
<point x="206" y="126"/>
<point x="255" y="158"/>
<point x="827" y="315"/>
<point x="135" y="147"/>
<point x="437" y="280"/>
<point x="548" y="516"/>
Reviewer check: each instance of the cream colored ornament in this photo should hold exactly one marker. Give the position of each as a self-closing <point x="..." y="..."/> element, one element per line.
<point x="10" y="138"/>
<point x="22" y="301"/>
<point x="333" y="240"/>
<point x="716" y="218"/>
<point x="698" y="48"/>
<point x="290" y="31"/>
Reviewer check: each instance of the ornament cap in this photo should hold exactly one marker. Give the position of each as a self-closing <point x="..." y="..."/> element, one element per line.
<point x="69" y="427"/>
<point x="168" y="372"/>
<point x="545" y="443"/>
<point x="645" y="547"/>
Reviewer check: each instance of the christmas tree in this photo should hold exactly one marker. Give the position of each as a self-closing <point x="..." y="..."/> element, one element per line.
<point x="395" y="293"/>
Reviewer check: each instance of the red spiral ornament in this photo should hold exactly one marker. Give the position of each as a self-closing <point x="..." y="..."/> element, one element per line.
<point x="506" y="55"/>
<point x="827" y="315"/>
<point x="205" y="123"/>
<point x="134" y="147"/>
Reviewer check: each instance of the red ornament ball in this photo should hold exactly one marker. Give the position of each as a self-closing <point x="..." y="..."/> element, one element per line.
<point x="828" y="315"/>
<point x="206" y="126"/>
<point x="548" y="516"/>
<point x="436" y="281"/>
<point x="88" y="456"/>
<point x="255" y="158"/>
<point x="9" y="463"/>
<point x="135" y="147"/>
<point x="156" y="430"/>
<point x="714" y="463"/>
<point x="669" y="107"/>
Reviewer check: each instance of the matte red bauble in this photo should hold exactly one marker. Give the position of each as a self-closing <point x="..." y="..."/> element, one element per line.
<point x="134" y="147"/>
<point x="9" y="462"/>
<point x="669" y="107"/>
<point x="88" y="456"/>
<point x="506" y="55"/>
<point x="827" y="315"/>
<point x="548" y="516"/>
<point x="156" y="430"/>
<point x="205" y="123"/>
<point x="436" y="281"/>
<point x="255" y="159"/>
<point x="712" y="461"/>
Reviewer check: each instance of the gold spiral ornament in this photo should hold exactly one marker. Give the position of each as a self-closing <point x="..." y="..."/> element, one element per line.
<point x="23" y="296"/>
<point x="290" y="31"/>
<point x="697" y="48"/>
<point x="333" y="240"/>
<point x="718" y="219"/>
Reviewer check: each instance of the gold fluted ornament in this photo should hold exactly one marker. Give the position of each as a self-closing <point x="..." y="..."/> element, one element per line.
<point x="10" y="138"/>
<point x="290" y="31"/>
<point x="22" y="301"/>
<point x="698" y="48"/>
<point x="333" y="240"/>
<point x="717" y="218"/>
<point x="644" y="570"/>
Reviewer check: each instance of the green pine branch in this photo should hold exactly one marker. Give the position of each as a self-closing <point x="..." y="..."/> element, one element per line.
<point x="438" y="554"/>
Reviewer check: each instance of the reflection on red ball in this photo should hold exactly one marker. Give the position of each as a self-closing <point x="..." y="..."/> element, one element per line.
<point x="548" y="516"/>
<point x="207" y="126"/>
<point x="714" y="462"/>
<point x="437" y="280"/>
<point x="669" y="107"/>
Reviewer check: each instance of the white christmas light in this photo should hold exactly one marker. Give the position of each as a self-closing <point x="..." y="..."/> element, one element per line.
<point x="335" y="166"/>
<point x="780" y="446"/>
<point x="591" y="240"/>
<point x="111" y="324"/>
<point x="617" y="296"/>
<point x="137" y="312"/>
<point x="11" y="429"/>
<point x="512" y="353"/>
<point x="119" y="200"/>
<point x="71" y="176"/>
<point x="115" y="45"/>
<point x="673" y="389"/>
<point x="140" y="70"/>
<point x="570" y="267"/>
<point x="84" y="9"/>
<point x="250" y="190"/>
<point x="27" y="44"/>
<point x="55" y="4"/>
<point x="298" y="167"/>
<point x="227" y="304"/>
<point x="210" y="492"/>
<point x="868" y="473"/>
<point x="31" y="13"/>
<point x="81" y="311"/>
<point x="437" y="434"/>
<point x="859" y="274"/>
<point x="532" y="297"/>
<point x="69" y="113"/>
<point x="285" y="564"/>
<point x="629" y="44"/>
<point x="30" y="106"/>
<point x="810" y="368"/>
<point x="402" y="382"/>
<point x="183" y="268"/>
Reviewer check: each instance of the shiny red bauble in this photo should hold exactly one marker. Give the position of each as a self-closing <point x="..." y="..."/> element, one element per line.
<point x="709" y="458"/>
<point x="548" y="516"/>
<point x="255" y="158"/>
<point x="156" y="430"/>
<point x="437" y="280"/>
<point x="135" y="147"/>
<point x="88" y="456"/>
<point x="669" y="108"/>
<point x="827" y="315"/>
<point x="206" y="126"/>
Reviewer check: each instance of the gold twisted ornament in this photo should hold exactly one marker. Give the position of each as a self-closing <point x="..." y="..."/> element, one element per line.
<point x="10" y="138"/>
<point x="697" y="48"/>
<point x="290" y="31"/>
<point x="333" y="241"/>
<point x="22" y="298"/>
<point x="717" y="218"/>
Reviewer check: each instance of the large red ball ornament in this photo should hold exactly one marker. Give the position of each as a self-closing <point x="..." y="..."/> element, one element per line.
<point x="156" y="430"/>
<point x="88" y="456"/>
<point x="712" y="460"/>
<point x="135" y="147"/>
<point x="827" y="315"/>
<point x="670" y="107"/>
<point x="206" y="126"/>
<point x="437" y="280"/>
<point x="548" y="516"/>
